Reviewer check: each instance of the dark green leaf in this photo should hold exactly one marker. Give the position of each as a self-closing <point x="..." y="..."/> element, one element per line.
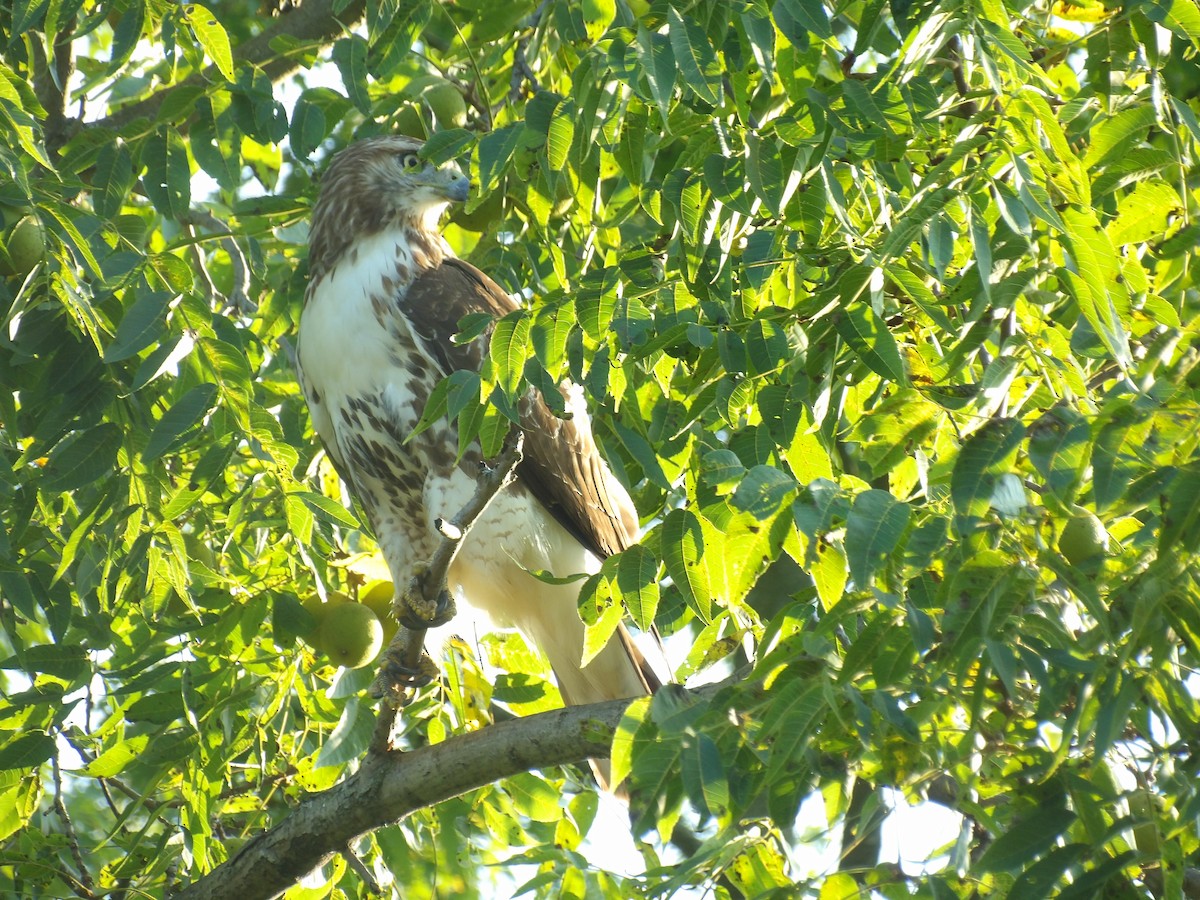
<point x="698" y="64"/>
<point x="168" y="178"/>
<point x="983" y="457"/>
<point x="140" y="327"/>
<point x="509" y="348"/>
<point x="495" y="151"/>
<point x="682" y="545"/>
<point x="1025" y="840"/>
<point x="637" y="578"/>
<point x="350" y="57"/>
<point x="26" y="752"/>
<point x="874" y="528"/>
<point x="178" y="422"/>
<point x="868" y="336"/>
<point x="82" y="459"/>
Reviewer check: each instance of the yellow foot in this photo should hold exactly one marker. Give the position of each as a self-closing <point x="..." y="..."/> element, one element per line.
<point x="415" y="610"/>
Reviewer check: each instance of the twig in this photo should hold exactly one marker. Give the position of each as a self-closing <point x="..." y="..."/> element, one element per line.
<point x="239" y="298"/>
<point x="360" y="869"/>
<point x="408" y="644"/>
<point x="84" y="886"/>
<point x="522" y="74"/>
<point x="51" y="82"/>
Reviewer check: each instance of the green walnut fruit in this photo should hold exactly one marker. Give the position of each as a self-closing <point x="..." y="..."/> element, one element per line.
<point x="409" y="122"/>
<point x="1143" y="806"/>
<point x="480" y="218"/>
<point x="1083" y="539"/>
<point x="378" y="597"/>
<point x="318" y="608"/>
<point x="351" y="635"/>
<point x="447" y="104"/>
<point x="24" y="248"/>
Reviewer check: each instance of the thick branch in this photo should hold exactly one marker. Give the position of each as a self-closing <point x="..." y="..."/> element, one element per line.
<point x="392" y="785"/>
<point x="313" y="22"/>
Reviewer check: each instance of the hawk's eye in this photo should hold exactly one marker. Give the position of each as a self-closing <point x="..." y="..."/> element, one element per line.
<point x="410" y="161"/>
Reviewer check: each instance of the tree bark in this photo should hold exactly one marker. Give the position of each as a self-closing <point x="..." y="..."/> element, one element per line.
<point x="314" y="21"/>
<point x="388" y="786"/>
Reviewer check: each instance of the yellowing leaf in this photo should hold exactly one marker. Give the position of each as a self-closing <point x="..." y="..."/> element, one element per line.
<point x="212" y="37"/>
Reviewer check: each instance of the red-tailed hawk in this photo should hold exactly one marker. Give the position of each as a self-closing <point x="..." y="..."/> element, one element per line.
<point x="384" y="298"/>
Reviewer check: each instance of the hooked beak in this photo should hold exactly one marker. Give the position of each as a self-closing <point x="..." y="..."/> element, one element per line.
<point x="455" y="185"/>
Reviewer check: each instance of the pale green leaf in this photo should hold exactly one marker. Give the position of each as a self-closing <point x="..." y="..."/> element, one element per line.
<point x="212" y="37"/>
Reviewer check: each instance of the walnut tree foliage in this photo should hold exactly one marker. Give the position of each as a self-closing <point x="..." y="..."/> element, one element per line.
<point x="876" y="305"/>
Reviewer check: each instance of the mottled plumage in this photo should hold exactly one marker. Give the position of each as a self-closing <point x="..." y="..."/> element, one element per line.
<point x="385" y="296"/>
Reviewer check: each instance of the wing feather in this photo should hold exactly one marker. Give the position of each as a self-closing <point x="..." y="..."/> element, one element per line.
<point x="562" y="465"/>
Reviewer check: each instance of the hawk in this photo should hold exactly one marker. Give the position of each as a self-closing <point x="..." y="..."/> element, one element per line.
<point x="384" y="298"/>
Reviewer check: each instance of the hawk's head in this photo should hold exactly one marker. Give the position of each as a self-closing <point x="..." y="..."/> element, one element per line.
<point x="376" y="184"/>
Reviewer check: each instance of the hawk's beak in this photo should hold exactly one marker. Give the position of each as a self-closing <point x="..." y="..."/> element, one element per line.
<point x="457" y="185"/>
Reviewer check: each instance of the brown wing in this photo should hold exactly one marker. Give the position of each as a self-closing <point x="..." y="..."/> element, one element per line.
<point x="562" y="466"/>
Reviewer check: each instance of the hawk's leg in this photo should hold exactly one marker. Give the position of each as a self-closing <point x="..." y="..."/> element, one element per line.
<point x="406" y="666"/>
<point x="398" y="673"/>
<point x="415" y="609"/>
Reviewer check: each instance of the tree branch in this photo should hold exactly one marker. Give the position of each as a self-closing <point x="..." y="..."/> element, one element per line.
<point x="389" y="786"/>
<point x="313" y="23"/>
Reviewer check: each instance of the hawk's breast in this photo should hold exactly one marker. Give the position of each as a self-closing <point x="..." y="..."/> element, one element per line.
<point x="366" y="380"/>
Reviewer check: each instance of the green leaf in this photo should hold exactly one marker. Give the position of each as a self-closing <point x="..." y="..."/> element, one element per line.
<point x="722" y="468"/>
<point x="350" y="57"/>
<point x="704" y="775"/>
<point x="1142" y="214"/>
<point x="327" y="508"/>
<point x="168" y="178"/>
<point x="869" y="338"/>
<point x="508" y="349"/>
<point x="698" y="65"/>
<point x="447" y="145"/>
<point x="549" y="332"/>
<point x="179" y="421"/>
<point x="874" y="527"/>
<point x="560" y="136"/>
<point x="495" y="151"/>
<point x="26" y="752"/>
<point x="637" y="579"/>
<point x="658" y="65"/>
<point x="764" y="491"/>
<point x="113" y="179"/>
<point x="140" y="327"/>
<point x="793" y="720"/>
<point x="1025" y="840"/>
<point x="639" y="448"/>
<point x="307" y="128"/>
<point x="1181" y="16"/>
<point x="625" y="738"/>
<point x="116" y="759"/>
<point x="1113" y="137"/>
<point x="682" y="545"/>
<point x="601" y="612"/>
<point x="1115" y="461"/>
<point x="212" y="37"/>
<point x="534" y="797"/>
<point x="1058" y="445"/>
<point x="888" y="433"/>
<point x="84" y="458"/>
<point x="984" y="456"/>
<point x="1181" y="514"/>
